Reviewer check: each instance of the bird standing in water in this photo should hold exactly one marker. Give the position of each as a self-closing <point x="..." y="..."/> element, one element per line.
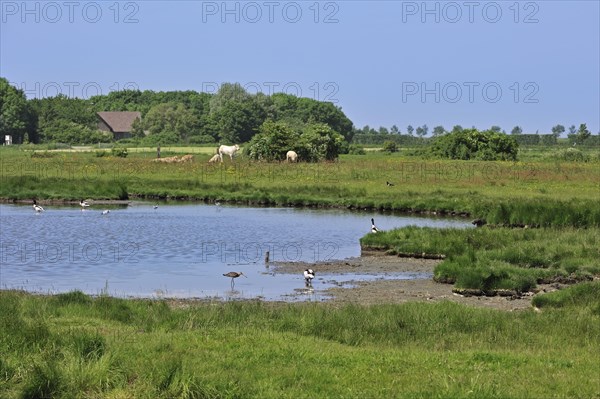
<point x="373" y="228"/>
<point x="234" y="275"/>
<point x="309" y="274"/>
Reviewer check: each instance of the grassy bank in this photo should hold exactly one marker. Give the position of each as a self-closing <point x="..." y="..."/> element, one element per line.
<point x="490" y="259"/>
<point x="71" y="345"/>
<point x="537" y="193"/>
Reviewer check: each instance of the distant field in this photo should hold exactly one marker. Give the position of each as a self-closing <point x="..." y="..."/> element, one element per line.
<point x="502" y="192"/>
<point x="174" y="149"/>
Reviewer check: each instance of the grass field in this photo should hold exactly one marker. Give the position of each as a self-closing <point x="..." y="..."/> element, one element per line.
<point x="544" y="193"/>
<point x="73" y="346"/>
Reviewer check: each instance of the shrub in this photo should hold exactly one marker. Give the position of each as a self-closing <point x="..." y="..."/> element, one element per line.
<point x="473" y="144"/>
<point x="571" y="155"/>
<point x="356" y="150"/>
<point x="390" y="146"/>
<point x="119" y="152"/>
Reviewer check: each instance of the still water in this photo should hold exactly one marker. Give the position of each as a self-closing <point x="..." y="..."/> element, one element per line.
<point x="181" y="250"/>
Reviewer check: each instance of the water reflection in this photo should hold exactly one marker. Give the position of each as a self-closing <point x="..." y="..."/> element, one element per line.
<point x="180" y="250"/>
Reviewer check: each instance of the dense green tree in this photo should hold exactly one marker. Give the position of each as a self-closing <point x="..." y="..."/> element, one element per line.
<point x="56" y="111"/>
<point x="438" y="131"/>
<point x="558" y="130"/>
<point x="516" y="130"/>
<point x="496" y="129"/>
<point x="572" y="129"/>
<point x="581" y="135"/>
<point x="236" y="114"/>
<point x="383" y="130"/>
<point x="16" y="116"/>
<point x="394" y="130"/>
<point x="422" y="131"/>
<point x="410" y="130"/>
<point x="67" y="132"/>
<point x="171" y="118"/>
<point x="457" y="128"/>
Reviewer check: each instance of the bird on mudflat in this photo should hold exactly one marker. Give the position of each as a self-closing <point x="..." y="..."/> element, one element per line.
<point x="373" y="228"/>
<point x="234" y="275"/>
<point x="37" y="207"/>
<point x="309" y="274"/>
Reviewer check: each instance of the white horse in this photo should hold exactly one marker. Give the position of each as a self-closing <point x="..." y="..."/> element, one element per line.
<point x="291" y="156"/>
<point x="228" y="150"/>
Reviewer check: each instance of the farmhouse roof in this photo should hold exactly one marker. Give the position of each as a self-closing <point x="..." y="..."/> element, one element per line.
<point x="119" y="121"/>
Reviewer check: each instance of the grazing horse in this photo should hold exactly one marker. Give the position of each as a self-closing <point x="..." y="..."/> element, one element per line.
<point x="228" y="150"/>
<point x="291" y="156"/>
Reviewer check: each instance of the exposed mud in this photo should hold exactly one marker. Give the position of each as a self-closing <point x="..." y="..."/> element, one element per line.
<point x="400" y="291"/>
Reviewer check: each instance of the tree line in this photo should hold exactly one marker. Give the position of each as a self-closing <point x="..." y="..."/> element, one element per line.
<point x="232" y="115"/>
<point x="415" y="136"/>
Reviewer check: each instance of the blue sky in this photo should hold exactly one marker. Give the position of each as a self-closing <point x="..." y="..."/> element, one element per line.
<point x="506" y="63"/>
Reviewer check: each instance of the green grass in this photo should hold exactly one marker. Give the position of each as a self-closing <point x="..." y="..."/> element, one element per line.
<point x="498" y="258"/>
<point x="537" y="193"/>
<point x="72" y="346"/>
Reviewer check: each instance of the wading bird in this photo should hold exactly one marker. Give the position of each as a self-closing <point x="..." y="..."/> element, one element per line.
<point x="36" y="207"/>
<point x="83" y="204"/>
<point x="373" y="228"/>
<point x="155" y="206"/>
<point x="234" y="275"/>
<point x="105" y="212"/>
<point x="309" y="274"/>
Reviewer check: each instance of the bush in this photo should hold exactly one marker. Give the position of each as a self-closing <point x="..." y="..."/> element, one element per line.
<point x="356" y="150"/>
<point x="320" y="142"/>
<point x="571" y="155"/>
<point x="390" y="146"/>
<point x="272" y="142"/>
<point x="473" y="144"/>
<point x="119" y="152"/>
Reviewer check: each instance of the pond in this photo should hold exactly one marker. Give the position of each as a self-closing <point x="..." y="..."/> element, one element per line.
<point x="181" y="250"/>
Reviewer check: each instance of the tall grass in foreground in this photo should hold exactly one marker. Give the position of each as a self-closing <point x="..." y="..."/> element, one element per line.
<point x="71" y="346"/>
<point x="499" y="258"/>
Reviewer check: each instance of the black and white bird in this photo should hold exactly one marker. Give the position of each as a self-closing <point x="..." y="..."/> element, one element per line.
<point x="234" y="275"/>
<point x="155" y="206"/>
<point x="309" y="274"/>
<point x="83" y="204"/>
<point x="373" y="228"/>
<point x="387" y="183"/>
<point x="37" y="207"/>
<point x="105" y="212"/>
